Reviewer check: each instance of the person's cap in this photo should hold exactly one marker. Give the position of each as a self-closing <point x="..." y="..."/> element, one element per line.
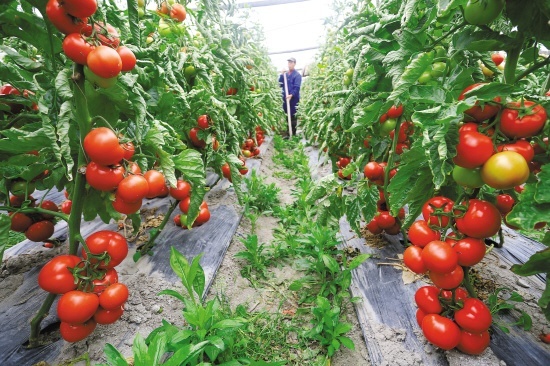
<point x="292" y="59"/>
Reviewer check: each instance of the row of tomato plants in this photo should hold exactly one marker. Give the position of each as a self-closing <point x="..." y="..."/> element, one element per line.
<point x="439" y="107"/>
<point x="94" y="95"/>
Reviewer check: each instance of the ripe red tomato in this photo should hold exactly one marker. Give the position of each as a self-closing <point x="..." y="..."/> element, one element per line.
<point x="134" y="168"/>
<point x="102" y="146"/>
<point x="474" y="316"/>
<point x="61" y="19"/>
<point x="104" y="61"/>
<point x="107" y="241"/>
<point x="40" y="231"/>
<point x="80" y="8"/>
<point x="129" y="150"/>
<point x="505" y="170"/>
<point x="342" y="176"/>
<point x="460" y="295"/>
<point x="127" y="57"/>
<point x="104" y="178"/>
<point x="204" y="216"/>
<point x="55" y="276"/>
<point x="421" y="234"/>
<point x="177" y="220"/>
<point x="395" y="112"/>
<point x="449" y="280"/>
<point x="124" y="207"/>
<point x="66" y="207"/>
<point x="427" y="299"/>
<point x="373" y="227"/>
<point x="195" y="140"/>
<point x="76" y="48"/>
<point x="481" y="220"/>
<point x="107" y="35"/>
<point x="505" y="203"/>
<point x="497" y="58"/>
<point x="104" y="316"/>
<point x="177" y="12"/>
<point x="373" y="171"/>
<point x="216" y="143"/>
<point x="528" y="124"/>
<point x="156" y="183"/>
<point x="420" y="316"/>
<point x="473" y="343"/>
<point x="477" y="112"/>
<point x="440" y="331"/>
<point x="182" y="190"/>
<point x="522" y="147"/>
<point x="438" y="202"/>
<point x="412" y="257"/>
<point x="76" y="307"/>
<point x="473" y="150"/>
<point x="50" y="206"/>
<point x="385" y="220"/>
<point x="17" y="201"/>
<point x="76" y="332"/>
<point x="114" y="296"/>
<point x="439" y="256"/>
<point x="470" y="251"/>
<point x="111" y="276"/>
<point x="184" y="204"/>
<point x="20" y="222"/>
<point x="203" y="122"/>
<point x="394" y="230"/>
<point x="133" y="189"/>
<point x="226" y="171"/>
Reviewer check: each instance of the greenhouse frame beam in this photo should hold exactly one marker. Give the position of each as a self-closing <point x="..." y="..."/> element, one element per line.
<point x="296" y="50"/>
<point x="255" y="4"/>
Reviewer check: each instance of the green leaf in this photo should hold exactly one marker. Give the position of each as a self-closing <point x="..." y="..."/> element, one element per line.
<point x="228" y="324"/>
<point x="62" y="84"/>
<point x="185" y="354"/>
<point x="114" y="357"/>
<point x="180" y="265"/>
<point x="544" y="301"/>
<point x="482" y="41"/>
<point x="173" y="293"/>
<point x="5" y="224"/>
<point x="347" y="342"/>
<point x="537" y="263"/>
<point x="330" y="263"/>
<point x="63" y="127"/>
<point x="357" y="261"/>
<point x="189" y="162"/>
<point x="133" y="19"/>
<point x="22" y="61"/>
<point x="157" y="349"/>
<point x="528" y="212"/>
<point x="196" y="275"/>
<point x="139" y="349"/>
<point x="321" y="188"/>
<point x="542" y="194"/>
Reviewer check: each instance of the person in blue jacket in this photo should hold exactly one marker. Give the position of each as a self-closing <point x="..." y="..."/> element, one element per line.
<point x="294" y="80"/>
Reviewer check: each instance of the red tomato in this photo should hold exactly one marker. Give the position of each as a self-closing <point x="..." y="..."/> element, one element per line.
<point x="427" y="299"/>
<point x="412" y="257"/>
<point x="156" y="183"/>
<point x="342" y="176"/>
<point x="106" y="34"/>
<point x="50" y="206"/>
<point x="177" y="220"/>
<point x="497" y="58"/>
<point x="104" y="178"/>
<point x="216" y="143"/>
<point x="104" y="61"/>
<point x="373" y="227"/>
<point x="470" y="251"/>
<point x="134" y="168"/>
<point x="473" y="343"/>
<point x="421" y="234"/>
<point x="111" y="276"/>
<point x="133" y="189"/>
<point x="373" y="171"/>
<point x="439" y="256"/>
<point x="394" y="230"/>
<point x="203" y="122"/>
<point x="80" y="8"/>
<point x="124" y="207"/>
<point x="66" y="207"/>
<point x="127" y="57"/>
<point x="20" y="222"/>
<point x="104" y="316"/>
<point x="440" y="331"/>
<point x="522" y="147"/>
<point x="385" y="220"/>
<point x="102" y="146"/>
<point x="473" y="150"/>
<point x="474" y="316"/>
<point x="114" y="296"/>
<point x="61" y="19"/>
<point x="184" y="204"/>
<point x="129" y="151"/>
<point x="76" y="307"/>
<point x="17" y="201"/>
<point x="441" y="203"/>
<point x="204" y="216"/>
<point x="76" y="332"/>
<point x="177" y="12"/>
<point x="182" y="190"/>
<point x="55" y="277"/>
<point x="76" y="48"/>
<point x="107" y="241"/>
<point x="395" y="112"/>
<point x="478" y="113"/>
<point x="449" y="280"/>
<point x="460" y="295"/>
<point x="505" y="170"/>
<point x="383" y="118"/>
<point x="40" y="231"/>
<point x="528" y="124"/>
<point x="226" y="171"/>
<point x="195" y="140"/>
<point x="505" y="203"/>
<point x="420" y="316"/>
<point x="481" y="220"/>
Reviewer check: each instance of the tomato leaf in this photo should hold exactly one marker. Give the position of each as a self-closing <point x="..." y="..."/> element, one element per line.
<point x="5" y="223"/>
<point x="482" y="41"/>
<point x="368" y="196"/>
<point x="532" y="18"/>
<point x="537" y="263"/>
<point x="20" y="142"/>
<point x="133" y="18"/>
<point x="24" y="62"/>
<point x="64" y="149"/>
<point x="544" y="301"/>
<point x="528" y="212"/>
<point x="189" y="162"/>
<point x="542" y="194"/>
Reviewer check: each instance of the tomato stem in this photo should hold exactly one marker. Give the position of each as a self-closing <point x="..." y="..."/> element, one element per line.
<point x="151" y="242"/>
<point x="31" y="210"/>
<point x="451" y="31"/>
<point x="35" y="322"/>
<point x="468" y="284"/>
<point x="511" y="65"/>
<point x="533" y="68"/>
<point x="391" y="153"/>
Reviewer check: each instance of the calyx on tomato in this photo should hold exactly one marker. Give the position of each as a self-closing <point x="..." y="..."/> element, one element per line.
<point x="522" y="120"/>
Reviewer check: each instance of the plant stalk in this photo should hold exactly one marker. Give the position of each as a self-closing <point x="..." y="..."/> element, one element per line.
<point x="468" y="284"/>
<point x="35" y="322"/>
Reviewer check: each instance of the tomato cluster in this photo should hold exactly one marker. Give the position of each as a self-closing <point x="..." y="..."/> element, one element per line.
<point x="250" y="147"/>
<point x="7" y="91"/>
<point x="451" y="319"/>
<point x="342" y="163"/>
<point x="91" y="293"/>
<point x="95" y="45"/>
<point x="182" y="193"/>
<point x="226" y="170"/>
<point x="203" y="123"/>
<point x="383" y="221"/>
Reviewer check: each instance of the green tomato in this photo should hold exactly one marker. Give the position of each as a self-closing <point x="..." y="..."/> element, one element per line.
<point x="469" y="178"/>
<point x="347" y="80"/>
<point x="149" y="40"/>
<point x="190" y="71"/>
<point x="164" y="28"/>
<point x="388" y="127"/>
<point x="226" y="43"/>
<point x="438" y="69"/>
<point x="425" y="77"/>
<point x="183" y="220"/>
<point x="96" y="80"/>
<point x="482" y="12"/>
<point x="141" y="3"/>
<point x="440" y="52"/>
<point x="141" y="12"/>
<point x="349" y="73"/>
<point x="22" y="187"/>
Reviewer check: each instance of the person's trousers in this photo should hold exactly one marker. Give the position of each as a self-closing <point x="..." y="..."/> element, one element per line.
<point x="293" y="122"/>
